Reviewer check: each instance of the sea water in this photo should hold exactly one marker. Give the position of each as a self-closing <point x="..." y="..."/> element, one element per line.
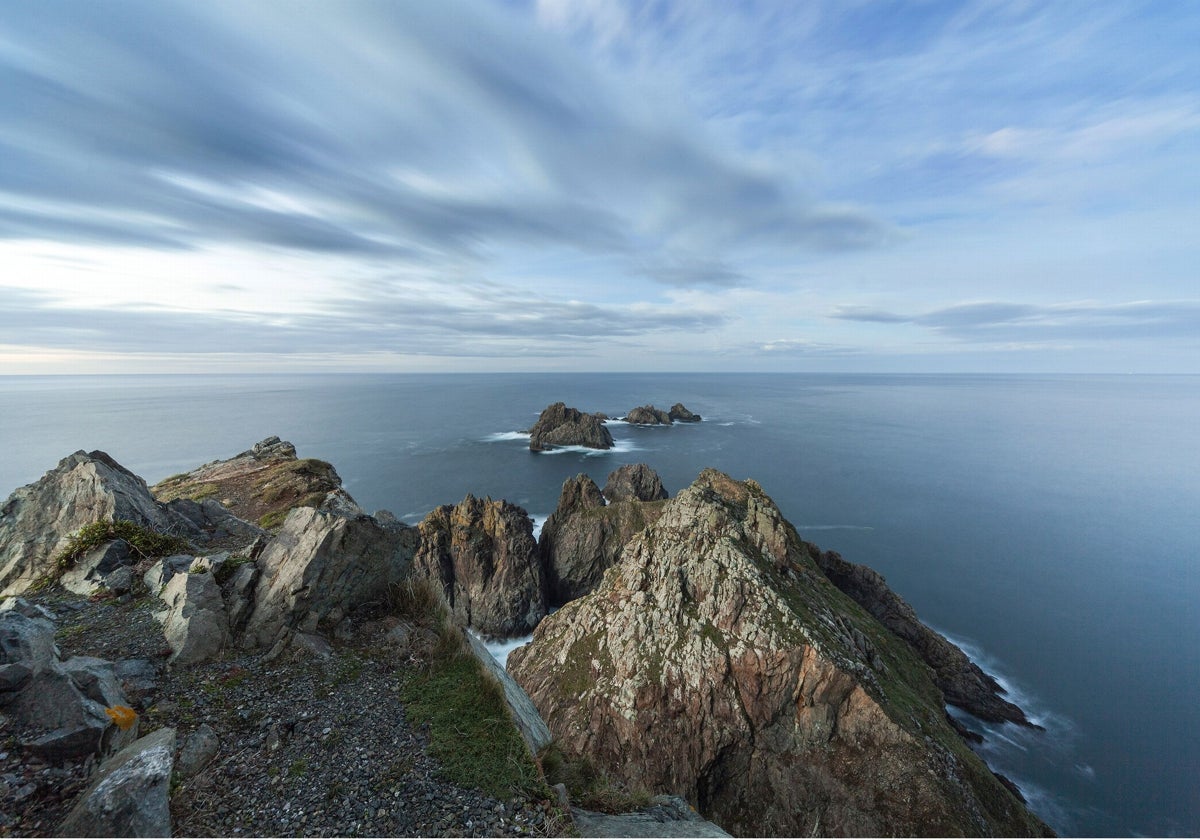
<point x="1047" y="524"/>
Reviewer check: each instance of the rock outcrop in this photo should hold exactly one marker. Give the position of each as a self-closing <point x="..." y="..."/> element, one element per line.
<point x="130" y="795"/>
<point x="317" y="570"/>
<point x="560" y="425"/>
<point x="635" y="482"/>
<point x="962" y="682"/>
<point x="262" y="484"/>
<point x="648" y="415"/>
<point x="584" y="537"/>
<point x="717" y="660"/>
<point x="195" y="621"/>
<point x="680" y="414"/>
<point x="483" y="556"/>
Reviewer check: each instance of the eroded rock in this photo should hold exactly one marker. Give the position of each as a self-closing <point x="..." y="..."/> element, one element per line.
<point x="680" y="414"/>
<point x="560" y="425"/>
<point x="194" y="622"/>
<point x="717" y="661"/>
<point x="648" y="415"/>
<point x="482" y="554"/>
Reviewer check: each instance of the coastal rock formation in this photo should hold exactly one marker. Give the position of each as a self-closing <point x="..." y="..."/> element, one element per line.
<point x="680" y="414"/>
<point x="962" y="682"/>
<point x="483" y="556"/>
<point x="262" y="484"/>
<point x="648" y="415"/>
<point x="318" y="569"/>
<point x="560" y="425"/>
<point x="716" y="660"/>
<point x="634" y="481"/>
<point x="584" y="537"/>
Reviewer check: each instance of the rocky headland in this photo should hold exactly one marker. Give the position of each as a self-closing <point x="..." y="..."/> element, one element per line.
<point x="243" y="650"/>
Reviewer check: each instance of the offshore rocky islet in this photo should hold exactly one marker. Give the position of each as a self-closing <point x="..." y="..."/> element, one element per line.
<point x="294" y="591"/>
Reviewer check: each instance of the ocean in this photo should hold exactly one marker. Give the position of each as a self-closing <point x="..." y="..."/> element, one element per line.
<point x="1049" y="524"/>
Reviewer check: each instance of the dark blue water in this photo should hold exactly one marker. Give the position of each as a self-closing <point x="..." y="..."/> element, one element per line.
<point x="1048" y="523"/>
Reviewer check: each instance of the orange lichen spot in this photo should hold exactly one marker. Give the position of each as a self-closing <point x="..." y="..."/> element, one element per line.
<point x="122" y="716"/>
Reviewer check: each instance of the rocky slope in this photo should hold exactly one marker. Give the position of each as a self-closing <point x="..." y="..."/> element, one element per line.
<point x="483" y="556"/>
<point x="560" y="425"/>
<point x="584" y="536"/>
<point x="716" y="660"/>
<point x="262" y="484"/>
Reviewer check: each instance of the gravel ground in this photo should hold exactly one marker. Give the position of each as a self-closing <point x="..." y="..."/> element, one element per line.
<point x="307" y="746"/>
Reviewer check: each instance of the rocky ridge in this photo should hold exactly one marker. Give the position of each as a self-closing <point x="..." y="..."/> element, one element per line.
<point x="717" y="660"/>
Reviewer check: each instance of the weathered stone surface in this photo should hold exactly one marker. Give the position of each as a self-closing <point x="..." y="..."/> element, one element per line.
<point x="524" y="714"/>
<point x="559" y="425"/>
<point x="160" y="574"/>
<point x="584" y="537"/>
<point x="648" y="415"/>
<point x="26" y="639"/>
<point x="666" y="816"/>
<point x="130" y="794"/>
<point x="195" y="623"/>
<point x="483" y="556"/>
<point x="634" y="481"/>
<point x="260" y="485"/>
<point x="37" y="520"/>
<point x="90" y="570"/>
<point x="198" y="750"/>
<point x="319" y="568"/>
<point x="208" y="522"/>
<point x="680" y="414"/>
<point x="716" y="660"/>
<point x="962" y="682"/>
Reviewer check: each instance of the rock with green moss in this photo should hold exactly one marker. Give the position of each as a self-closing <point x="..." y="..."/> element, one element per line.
<point x="716" y="660"/>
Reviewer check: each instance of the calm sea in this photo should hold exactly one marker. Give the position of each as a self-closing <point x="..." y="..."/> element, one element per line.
<point x="1050" y="524"/>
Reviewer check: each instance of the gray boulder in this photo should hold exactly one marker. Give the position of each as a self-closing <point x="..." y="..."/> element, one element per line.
<point x="319" y="568"/>
<point x="194" y="622"/>
<point x="89" y="572"/>
<point x="198" y="750"/>
<point x="130" y="795"/>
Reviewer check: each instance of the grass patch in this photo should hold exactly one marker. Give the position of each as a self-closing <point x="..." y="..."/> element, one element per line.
<point x="272" y="520"/>
<point x="588" y="786"/>
<point x="144" y="541"/>
<point x="226" y="570"/>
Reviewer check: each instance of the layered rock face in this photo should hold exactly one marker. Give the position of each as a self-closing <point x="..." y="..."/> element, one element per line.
<point x="962" y="682"/>
<point x="482" y="554"/>
<point x="584" y="537"/>
<point x="319" y="568"/>
<point x="560" y="425"/>
<point x="717" y="660"/>
<point x="37" y="520"/>
<point x="262" y="484"/>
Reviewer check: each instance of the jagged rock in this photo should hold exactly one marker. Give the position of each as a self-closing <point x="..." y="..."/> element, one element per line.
<point x="261" y="484"/>
<point x="680" y="414"/>
<point x="238" y="593"/>
<point x="130" y="795"/>
<point x="27" y="609"/>
<point x="716" y="660"/>
<point x="37" y="519"/>
<point x="195" y="623"/>
<point x="962" y="682"/>
<point x="666" y="816"/>
<point x="524" y="714"/>
<point x="483" y="556"/>
<point x="634" y="481"/>
<point x="319" y="568"/>
<point x="584" y="537"/>
<point x="160" y="574"/>
<point x="198" y="750"/>
<point x="90" y="570"/>
<point x="648" y="415"/>
<point x="559" y="425"/>
<point x="209" y="522"/>
<point x="26" y="639"/>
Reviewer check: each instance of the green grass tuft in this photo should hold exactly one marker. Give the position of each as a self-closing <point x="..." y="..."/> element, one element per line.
<point x="144" y="541"/>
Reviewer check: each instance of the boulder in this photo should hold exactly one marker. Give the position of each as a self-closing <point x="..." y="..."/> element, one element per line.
<point x="130" y="794"/>
<point x="634" y="481"/>
<point x="717" y="661"/>
<point x="319" y="568"/>
<point x="648" y="415"/>
<point x="199" y="749"/>
<point x="962" y="682"/>
<point x="559" y="425"/>
<point x="259" y="485"/>
<point x="665" y="816"/>
<point x="680" y="414"/>
<point x="195" y="623"/>
<point x="483" y="556"/>
<point x="584" y="537"/>
<point x="89" y="572"/>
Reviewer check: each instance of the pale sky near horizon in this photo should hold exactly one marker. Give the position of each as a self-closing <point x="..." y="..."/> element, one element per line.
<point x="487" y="185"/>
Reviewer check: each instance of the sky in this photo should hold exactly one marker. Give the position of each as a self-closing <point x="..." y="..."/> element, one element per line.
<point x="599" y="185"/>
